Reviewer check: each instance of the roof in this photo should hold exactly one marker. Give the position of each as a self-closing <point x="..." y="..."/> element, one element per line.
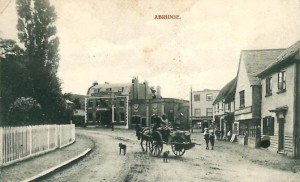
<point x="257" y="60"/>
<point x="115" y="87"/>
<point x="227" y="92"/>
<point x="283" y="58"/>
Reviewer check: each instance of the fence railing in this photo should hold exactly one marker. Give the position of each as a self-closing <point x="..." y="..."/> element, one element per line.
<point x="19" y="143"/>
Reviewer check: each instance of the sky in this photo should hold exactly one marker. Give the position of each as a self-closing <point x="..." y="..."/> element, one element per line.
<point x="116" y="40"/>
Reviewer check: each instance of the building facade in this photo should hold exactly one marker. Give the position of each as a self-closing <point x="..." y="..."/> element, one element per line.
<point x="128" y="104"/>
<point x="224" y="109"/>
<point x="176" y="111"/>
<point x="247" y="112"/>
<point x="201" y="108"/>
<point x="280" y="108"/>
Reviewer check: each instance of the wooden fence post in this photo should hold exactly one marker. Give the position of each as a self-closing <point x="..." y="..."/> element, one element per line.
<point x="48" y="137"/>
<point x="30" y="140"/>
<point x="1" y="146"/>
<point x="59" y="136"/>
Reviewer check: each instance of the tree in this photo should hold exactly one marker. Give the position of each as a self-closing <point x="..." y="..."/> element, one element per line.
<point x="37" y="31"/>
<point x="13" y="76"/>
<point x="77" y="104"/>
<point x="25" y="111"/>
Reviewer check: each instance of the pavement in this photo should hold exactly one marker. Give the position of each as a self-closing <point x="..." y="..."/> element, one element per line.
<point x="35" y="168"/>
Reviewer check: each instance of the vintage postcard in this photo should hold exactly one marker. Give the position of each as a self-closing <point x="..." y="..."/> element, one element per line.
<point x="136" y="90"/>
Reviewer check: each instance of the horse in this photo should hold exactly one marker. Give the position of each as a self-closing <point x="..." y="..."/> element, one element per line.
<point x="143" y="134"/>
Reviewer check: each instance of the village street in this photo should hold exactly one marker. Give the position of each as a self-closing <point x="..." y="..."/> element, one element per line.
<point x="228" y="162"/>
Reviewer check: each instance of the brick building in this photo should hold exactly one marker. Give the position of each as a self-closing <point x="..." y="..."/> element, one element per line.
<point x="128" y="104"/>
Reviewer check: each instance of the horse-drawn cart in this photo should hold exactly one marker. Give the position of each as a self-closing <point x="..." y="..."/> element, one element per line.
<point x="153" y="141"/>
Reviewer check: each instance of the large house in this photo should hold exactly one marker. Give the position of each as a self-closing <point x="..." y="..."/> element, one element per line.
<point x="280" y="109"/>
<point x="247" y="112"/>
<point x="128" y="104"/>
<point x="201" y="107"/>
<point x="224" y="108"/>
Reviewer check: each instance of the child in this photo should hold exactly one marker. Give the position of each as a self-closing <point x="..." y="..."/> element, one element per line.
<point x="206" y="137"/>
<point x="212" y="140"/>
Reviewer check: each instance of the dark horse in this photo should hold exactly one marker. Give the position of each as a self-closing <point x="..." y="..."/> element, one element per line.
<point x="143" y="134"/>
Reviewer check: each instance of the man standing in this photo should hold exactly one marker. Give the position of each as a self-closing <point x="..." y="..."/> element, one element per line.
<point x="206" y="138"/>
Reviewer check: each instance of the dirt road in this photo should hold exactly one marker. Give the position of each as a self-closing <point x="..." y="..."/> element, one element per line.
<point x="228" y="162"/>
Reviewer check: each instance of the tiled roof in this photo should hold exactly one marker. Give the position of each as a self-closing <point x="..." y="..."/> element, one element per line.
<point x="257" y="60"/>
<point x="227" y="92"/>
<point x="283" y="57"/>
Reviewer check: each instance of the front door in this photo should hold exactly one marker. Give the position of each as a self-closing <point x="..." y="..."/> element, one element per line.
<point x="281" y="135"/>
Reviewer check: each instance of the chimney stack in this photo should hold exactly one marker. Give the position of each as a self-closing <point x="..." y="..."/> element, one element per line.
<point x="158" y="92"/>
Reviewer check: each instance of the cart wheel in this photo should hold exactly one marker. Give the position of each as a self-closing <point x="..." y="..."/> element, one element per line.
<point x="156" y="144"/>
<point x="178" y="151"/>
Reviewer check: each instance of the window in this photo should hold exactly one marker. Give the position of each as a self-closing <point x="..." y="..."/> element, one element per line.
<point x="197" y="97"/>
<point x="122" y="116"/>
<point x="197" y="112"/>
<point x="90" y="117"/>
<point x="90" y="103"/>
<point x="268" y="125"/>
<point x="98" y="101"/>
<point x="269" y="86"/>
<point x="227" y="107"/>
<point x="281" y="81"/>
<point x="122" y="103"/>
<point x="242" y="98"/>
<point x="247" y="127"/>
<point x="218" y="107"/>
<point x="98" y="116"/>
<point x="209" y="97"/>
<point x="209" y="111"/>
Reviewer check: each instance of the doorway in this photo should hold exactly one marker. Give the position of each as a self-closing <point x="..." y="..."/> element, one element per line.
<point x="281" y="134"/>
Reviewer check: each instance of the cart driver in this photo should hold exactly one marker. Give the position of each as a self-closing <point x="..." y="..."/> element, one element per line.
<point x="158" y="121"/>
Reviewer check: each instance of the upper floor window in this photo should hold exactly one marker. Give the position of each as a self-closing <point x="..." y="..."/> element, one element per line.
<point x="242" y="98"/>
<point x="269" y="86"/>
<point x="281" y="81"/>
<point x="209" y="112"/>
<point x="227" y="107"/>
<point x="209" y="97"/>
<point x="197" y="97"/>
<point x="197" y="112"/>
<point x="122" y="103"/>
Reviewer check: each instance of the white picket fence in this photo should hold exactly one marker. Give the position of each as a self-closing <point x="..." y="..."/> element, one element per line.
<point x="19" y="143"/>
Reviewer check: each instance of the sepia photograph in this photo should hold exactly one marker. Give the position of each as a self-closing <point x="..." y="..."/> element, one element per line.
<point x="144" y="91"/>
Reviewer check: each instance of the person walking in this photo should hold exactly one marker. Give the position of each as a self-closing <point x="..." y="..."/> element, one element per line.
<point x="206" y="138"/>
<point x="212" y="140"/>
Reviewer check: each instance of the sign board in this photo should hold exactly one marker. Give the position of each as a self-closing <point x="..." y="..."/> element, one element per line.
<point x="243" y="111"/>
<point x="233" y="137"/>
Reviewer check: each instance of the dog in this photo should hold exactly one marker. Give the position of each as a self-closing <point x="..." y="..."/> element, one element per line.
<point x="165" y="156"/>
<point x="122" y="147"/>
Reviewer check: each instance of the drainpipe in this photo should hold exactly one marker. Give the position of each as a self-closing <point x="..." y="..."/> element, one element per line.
<point x="296" y="110"/>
